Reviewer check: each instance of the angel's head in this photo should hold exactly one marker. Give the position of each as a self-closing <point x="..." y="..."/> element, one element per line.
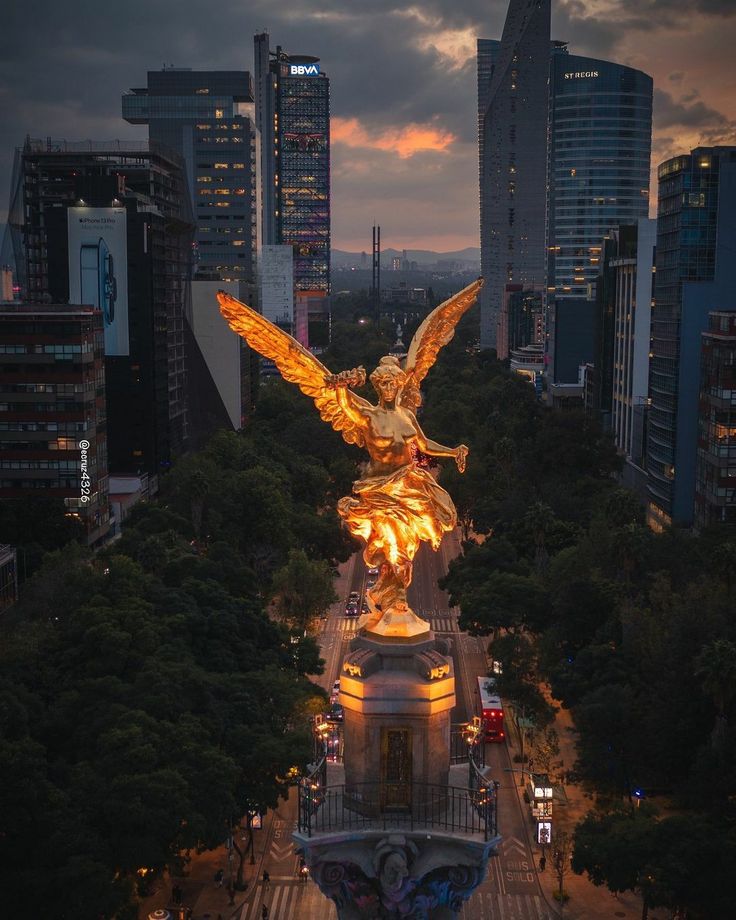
<point x="388" y="378"/>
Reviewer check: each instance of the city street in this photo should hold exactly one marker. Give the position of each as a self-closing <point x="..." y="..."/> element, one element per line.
<point x="511" y="890"/>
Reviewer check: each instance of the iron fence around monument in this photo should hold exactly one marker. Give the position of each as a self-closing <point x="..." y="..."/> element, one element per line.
<point x="363" y="806"/>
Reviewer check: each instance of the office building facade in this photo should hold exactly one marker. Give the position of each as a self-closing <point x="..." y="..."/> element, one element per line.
<point x="600" y="132"/>
<point x="293" y="118"/>
<point x="695" y="275"/>
<point x="632" y="265"/>
<point x="208" y="118"/>
<point x="514" y="151"/>
<point x="53" y="424"/>
<point x="110" y="224"/>
<point x="521" y="320"/>
<point x="715" y="481"/>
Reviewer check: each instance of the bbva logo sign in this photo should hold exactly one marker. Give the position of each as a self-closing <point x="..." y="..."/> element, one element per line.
<point x="303" y="70"/>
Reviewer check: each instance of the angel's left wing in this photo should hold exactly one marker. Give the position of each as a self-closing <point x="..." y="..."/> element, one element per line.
<point x="434" y="333"/>
<point x="295" y="363"/>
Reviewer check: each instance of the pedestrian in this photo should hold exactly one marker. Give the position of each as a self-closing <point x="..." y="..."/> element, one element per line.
<point x="176" y="894"/>
<point x="264" y="913"/>
<point x="266" y="880"/>
<point x="542" y="863"/>
<point x="219" y="876"/>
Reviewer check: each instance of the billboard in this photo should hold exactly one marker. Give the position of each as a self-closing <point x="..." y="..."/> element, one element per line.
<point x="98" y="269"/>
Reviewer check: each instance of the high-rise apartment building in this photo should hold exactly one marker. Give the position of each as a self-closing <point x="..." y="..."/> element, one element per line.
<point x="600" y="132"/>
<point x="696" y="275"/>
<point x="208" y="118"/>
<point x="293" y="118"/>
<point x="53" y="426"/>
<point x="623" y="314"/>
<point x="514" y="150"/>
<point x="715" y="482"/>
<point x="110" y="225"/>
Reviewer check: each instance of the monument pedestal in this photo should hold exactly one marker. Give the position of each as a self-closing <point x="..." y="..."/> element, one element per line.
<point x="397" y="696"/>
<point x="397" y="832"/>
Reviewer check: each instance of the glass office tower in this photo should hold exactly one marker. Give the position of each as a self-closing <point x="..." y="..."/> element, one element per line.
<point x="514" y="151"/>
<point x="600" y="132"/>
<point x="293" y="117"/>
<point x="208" y="118"/>
<point x="696" y="275"/>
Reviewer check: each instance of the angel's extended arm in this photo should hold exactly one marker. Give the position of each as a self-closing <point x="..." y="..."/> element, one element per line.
<point x="428" y="446"/>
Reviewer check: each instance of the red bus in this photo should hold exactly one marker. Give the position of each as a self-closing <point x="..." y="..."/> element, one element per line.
<point x="491" y="710"/>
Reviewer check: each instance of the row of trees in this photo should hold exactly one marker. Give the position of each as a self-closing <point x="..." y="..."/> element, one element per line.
<point x="154" y="693"/>
<point x="633" y="631"/>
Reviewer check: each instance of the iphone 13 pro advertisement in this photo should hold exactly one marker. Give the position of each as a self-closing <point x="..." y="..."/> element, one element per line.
<point x="98" y="269"/>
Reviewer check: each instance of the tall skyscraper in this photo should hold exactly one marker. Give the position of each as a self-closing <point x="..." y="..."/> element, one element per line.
<point x="715" y="482"/>
<point x="207" y="117"/>
<point x="487" y="56"/>
<point x="293" y="118"/>
<point x="110" y="225"/>
<point x="696" y="274"/>
<point x="600" y="133"/>
<point x="53" y="425"/>
<point x="514" y="144"/>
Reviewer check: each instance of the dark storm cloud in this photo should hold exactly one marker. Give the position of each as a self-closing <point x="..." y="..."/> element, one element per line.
<point x="688" y="112"/>
<point x="400" y="69"/>
<point x="670" y="8"/>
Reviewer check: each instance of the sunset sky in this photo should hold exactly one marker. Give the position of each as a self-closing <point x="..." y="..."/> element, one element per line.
<point x="402" y="81"/>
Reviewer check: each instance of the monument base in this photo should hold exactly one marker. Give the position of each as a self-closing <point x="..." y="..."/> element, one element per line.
<point x="380" y="874"/>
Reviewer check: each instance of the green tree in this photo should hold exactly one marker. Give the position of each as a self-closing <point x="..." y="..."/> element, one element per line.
<point x="303" y="589"/>
<point x="716" y="667"/>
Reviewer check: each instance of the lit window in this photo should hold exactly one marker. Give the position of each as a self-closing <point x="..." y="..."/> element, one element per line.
<point x="238" y="165"/>
<point x="238" y="242"/>
<point x="223" y="204"/>
<point x="203" y="92"/>
<point x="221" y="165"/>
<point x="219" y="113"/>
<point x="204" y="178"/>
<point x="204" y="127"/>
<point x="222" y="191"/>
<point x="205" y="191"/>
<point x="240" y="191"/>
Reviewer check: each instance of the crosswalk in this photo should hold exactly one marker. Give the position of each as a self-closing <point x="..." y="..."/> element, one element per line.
<point x="489" y="906"/>
<point x="288" y="899"/>
<point x="440" y="621"/>
<point x="293" y="899"/>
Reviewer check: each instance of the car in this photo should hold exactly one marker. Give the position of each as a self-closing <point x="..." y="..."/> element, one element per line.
<point x="335" y="691"/>
<point x="353" y="596"/>
<point x="370" y="583"/>
<point x="336" y="713"/>
<point x="352" y="609"/>
<point x="365" y="608"/>
<point x="373" y="570"/>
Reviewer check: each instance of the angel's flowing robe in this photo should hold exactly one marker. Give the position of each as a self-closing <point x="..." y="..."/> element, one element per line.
<point x="394" y="513"/>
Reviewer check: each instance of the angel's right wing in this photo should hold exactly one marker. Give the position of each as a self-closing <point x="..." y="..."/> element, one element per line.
<point x="295" y="363"/>
<point x="433" y="334"/>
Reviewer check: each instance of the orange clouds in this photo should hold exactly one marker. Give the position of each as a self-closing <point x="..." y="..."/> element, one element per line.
<point x="412" y="138"/>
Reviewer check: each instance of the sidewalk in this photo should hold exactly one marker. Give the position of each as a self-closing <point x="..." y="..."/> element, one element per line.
<point x="199" y="891"/>
<point x="586" y="900"/>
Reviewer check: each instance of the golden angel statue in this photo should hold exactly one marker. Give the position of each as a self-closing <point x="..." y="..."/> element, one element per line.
<point x="397" y="504"/>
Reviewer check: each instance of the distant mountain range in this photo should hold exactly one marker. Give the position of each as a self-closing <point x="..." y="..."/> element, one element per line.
<point x="342" y="259"/>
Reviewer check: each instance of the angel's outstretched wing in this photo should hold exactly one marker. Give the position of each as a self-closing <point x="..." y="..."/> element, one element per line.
<point x="434" y="333"/>
<point x="295" y="363"/>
